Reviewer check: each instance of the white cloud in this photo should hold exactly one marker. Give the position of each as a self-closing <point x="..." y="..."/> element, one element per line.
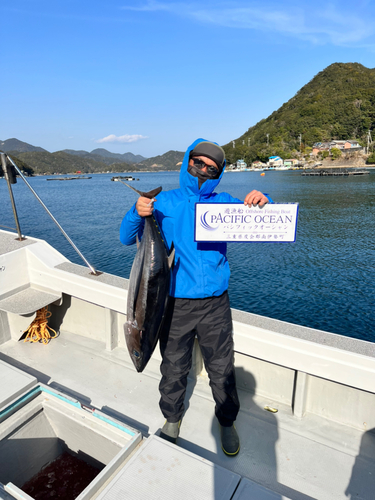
<point x="325" y="22"/>
<point x="121" y="138"/>
<point x="325" y="25"/>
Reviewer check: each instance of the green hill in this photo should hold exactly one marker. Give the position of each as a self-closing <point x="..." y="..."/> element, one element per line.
<point x="66" y="163"/>
<point x="25" y="169"/>
<point x="125" y="157"/>
<point x="167" y="161"/>
<point x="338" y="103"/>
<point x="106" y="156"/>
<point x="19" y="146"/>
<point x="61" y="163"/>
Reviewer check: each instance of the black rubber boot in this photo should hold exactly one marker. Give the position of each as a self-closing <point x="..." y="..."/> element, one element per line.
<point x="230" y="442"/>
<point x="170" y="431"/>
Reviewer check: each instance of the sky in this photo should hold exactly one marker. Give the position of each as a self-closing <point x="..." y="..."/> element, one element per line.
<point x="147" y="76"/>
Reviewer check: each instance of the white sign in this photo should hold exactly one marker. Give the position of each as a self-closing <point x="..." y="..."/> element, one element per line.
<point x="235" y="222"/>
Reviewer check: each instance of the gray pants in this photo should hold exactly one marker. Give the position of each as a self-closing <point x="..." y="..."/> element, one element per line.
<point x="211" y="321"/>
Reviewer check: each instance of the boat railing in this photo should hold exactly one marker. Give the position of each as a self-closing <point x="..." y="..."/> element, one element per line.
<point x="9" y="168"/>
<point x="304" y="371"/>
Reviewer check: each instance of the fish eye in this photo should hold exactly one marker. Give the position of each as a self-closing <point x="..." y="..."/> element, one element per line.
<point x="136" y="353"/>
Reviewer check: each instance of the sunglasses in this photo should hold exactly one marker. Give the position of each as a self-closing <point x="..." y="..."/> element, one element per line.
<point x="211" y="169"/>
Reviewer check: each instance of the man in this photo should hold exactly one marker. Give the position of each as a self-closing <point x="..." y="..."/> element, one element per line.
<point x="199" y="303"/>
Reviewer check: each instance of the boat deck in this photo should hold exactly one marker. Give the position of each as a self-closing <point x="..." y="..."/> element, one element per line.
<point x="295" y="458"/>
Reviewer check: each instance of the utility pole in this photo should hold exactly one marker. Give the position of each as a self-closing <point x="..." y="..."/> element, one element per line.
<point x="300" y="143"/>
<point x="369" y="141"/>
<point x="268" y="135"/>
<point x="248" y="141"/>
<point x="234" y="144"/>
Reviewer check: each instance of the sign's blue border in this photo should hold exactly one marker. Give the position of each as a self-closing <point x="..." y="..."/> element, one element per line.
<point x="242" y="241"/>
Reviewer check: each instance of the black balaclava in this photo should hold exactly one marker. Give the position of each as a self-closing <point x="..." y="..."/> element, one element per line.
<point x="212" y="151"/>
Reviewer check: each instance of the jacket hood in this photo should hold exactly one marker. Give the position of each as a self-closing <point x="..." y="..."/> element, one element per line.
<point x="189" y="184"/>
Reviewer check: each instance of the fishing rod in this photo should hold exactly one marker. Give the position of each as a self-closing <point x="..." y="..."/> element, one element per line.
<point x="11" y="179"/>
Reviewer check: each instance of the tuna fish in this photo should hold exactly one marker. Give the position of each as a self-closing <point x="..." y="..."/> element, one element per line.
<point x="148" y="290"/>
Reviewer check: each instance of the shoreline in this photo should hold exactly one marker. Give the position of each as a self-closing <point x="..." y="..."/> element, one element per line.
<point x="322" y="167"/>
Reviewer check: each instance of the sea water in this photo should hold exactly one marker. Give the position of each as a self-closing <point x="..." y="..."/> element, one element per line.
<point x="324" y="280"/>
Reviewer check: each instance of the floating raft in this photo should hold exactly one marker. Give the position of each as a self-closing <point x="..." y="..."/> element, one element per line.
<point x="125" y="178"/>
<point x="68" y="178"/>
<point x="341" y="173"/>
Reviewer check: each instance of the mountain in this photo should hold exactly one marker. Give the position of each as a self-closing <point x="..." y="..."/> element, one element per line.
<point x="125" y="157"/>
<point x="106" y="156"/>
<point x="60" y="162"/>
<point x="75" y="152"/>
<point x="338" y="103"/>
<point x="167" y="161"/>
<point x="65" y="163"/>
<point x="97" y="155"/>
<point x="94" y="157"/>
<point x="19" y="146"/>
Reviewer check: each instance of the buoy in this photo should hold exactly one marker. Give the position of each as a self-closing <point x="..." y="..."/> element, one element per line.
<point x="262" y="173"/>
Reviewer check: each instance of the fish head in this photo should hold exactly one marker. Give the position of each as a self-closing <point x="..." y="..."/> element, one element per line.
<point x="133" y="336"/>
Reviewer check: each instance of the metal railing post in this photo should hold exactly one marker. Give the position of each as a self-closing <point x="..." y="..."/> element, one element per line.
<point x="6" y="175"/>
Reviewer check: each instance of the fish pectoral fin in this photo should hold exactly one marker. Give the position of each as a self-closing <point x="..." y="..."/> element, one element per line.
<point x="137" y="241"/>
<point x="171" y="256"/>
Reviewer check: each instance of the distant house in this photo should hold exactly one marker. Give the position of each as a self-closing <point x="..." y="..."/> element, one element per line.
<point x="257" y="164"/>
<point x="344" y="146"/>
<point x="321" y="146"/>
<point x="274" y="161"/>
<point x="241" y="164"/>
<point x="290" y="162"/>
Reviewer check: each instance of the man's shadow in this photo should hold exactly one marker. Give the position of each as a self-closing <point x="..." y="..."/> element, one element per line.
<point x="362" y="482"/>
<point x="258" y="432"/>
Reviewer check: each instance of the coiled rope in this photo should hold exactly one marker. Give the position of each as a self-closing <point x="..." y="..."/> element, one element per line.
<point x="39" y="331"/>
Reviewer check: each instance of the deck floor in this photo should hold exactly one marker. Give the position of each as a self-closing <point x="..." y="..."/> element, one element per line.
<point x="297" y="459"/>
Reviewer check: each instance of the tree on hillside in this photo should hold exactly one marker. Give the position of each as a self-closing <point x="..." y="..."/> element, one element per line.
<point x="335" y="153"/>
<point x="306" y="151"/>
<point x="29" y="171"/>
<point x="323" y="154"/>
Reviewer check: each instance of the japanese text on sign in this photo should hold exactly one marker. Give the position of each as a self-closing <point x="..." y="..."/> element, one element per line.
<point x="237" y="223"/>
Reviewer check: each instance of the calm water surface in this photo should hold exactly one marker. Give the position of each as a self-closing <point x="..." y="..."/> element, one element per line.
<point x="324" y="280"/>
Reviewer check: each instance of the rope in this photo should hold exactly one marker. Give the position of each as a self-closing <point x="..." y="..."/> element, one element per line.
<point x="38" y="331"/>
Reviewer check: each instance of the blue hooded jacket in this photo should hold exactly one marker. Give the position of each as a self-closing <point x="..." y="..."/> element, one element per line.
<point x="201" y="269"/>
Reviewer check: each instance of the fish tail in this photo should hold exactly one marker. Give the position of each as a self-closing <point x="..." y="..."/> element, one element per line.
<point x="148" y="194"/>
